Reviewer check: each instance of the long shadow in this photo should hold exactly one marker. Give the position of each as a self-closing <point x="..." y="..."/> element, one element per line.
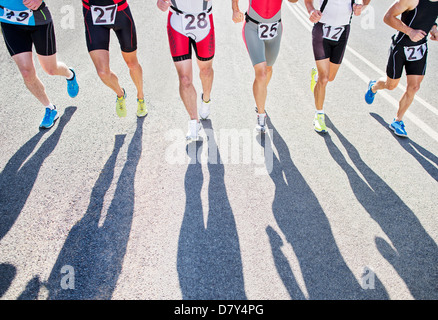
<point x="209" y="262"/>
<point x="415" y="254"/>
<point x="96" y="252"/>
<point x="18" y="177"/>
<point x="305" y="226"/>
<point x="422" y="155"/>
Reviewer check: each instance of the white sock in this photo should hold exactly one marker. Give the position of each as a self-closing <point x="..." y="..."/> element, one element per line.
<point x="71" y="76"/>
<point x="320" y="111"/>
<point x="51" y="106"/>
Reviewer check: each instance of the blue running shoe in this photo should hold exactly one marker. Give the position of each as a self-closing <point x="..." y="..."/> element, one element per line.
<point x="72" y="85"/>
<point x="49" y="118"/>
<point x="369" y="95"/>
<point x="399" y="128"/>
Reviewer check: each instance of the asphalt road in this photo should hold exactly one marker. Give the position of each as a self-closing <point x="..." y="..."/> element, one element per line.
<point x="133" y="212"/>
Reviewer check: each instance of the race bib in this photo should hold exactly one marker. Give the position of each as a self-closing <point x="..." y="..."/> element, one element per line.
<point x="104" y="15"/>
<point x="415" y="53"/>
<point x="196" y="26"/>
<point x="332" y="33"/>
<point x="268" y="31"/>
<point x="21" y="17"/>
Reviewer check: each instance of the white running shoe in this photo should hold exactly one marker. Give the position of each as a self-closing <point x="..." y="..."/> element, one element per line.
<point x="261" y="122"/>
<point x="204" y="111"/>
<point x="193" y="132"/>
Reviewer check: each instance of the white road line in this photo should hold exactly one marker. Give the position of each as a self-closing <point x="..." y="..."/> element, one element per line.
<point x="302" y="16"/>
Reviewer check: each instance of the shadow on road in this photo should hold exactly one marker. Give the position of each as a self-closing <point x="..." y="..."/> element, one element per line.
<point x="209" y="262"/>
<point x="18" y="177"/>
<point x="7" y="275"/>
<point x="422" y="155"/>
<point x="306" y="228"/>
<point x="412" y="252"/>
<point x="96" y="252"/>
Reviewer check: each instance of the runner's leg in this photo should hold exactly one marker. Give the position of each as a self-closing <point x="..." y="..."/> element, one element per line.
<point x="186" y="89"/>
<point x="101" y="60"/>
<point x="53" y="67"/>
<point x="413" y="85"/>
<point x="26" y="66"/>
<point x="260" y="85"/>
<point x="135" y="70"/>
<point x="206" y="74"/>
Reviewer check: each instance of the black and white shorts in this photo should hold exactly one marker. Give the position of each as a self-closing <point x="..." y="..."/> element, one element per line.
<point x="329" y="43"/>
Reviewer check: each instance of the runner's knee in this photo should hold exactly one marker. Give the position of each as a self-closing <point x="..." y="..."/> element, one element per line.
<point x="28" y="73"/>
<point x="104" y="73"/>
<point x="391" y="85"/>
<point x="413" y="88"/>
<point x="185" y="81"/>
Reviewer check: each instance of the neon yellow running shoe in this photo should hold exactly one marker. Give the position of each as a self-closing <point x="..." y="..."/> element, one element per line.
<point x="142" y="109"/>
<point x="121" y="105"/>
<point x="314" y="75"/>
<point x="319" y="123"/>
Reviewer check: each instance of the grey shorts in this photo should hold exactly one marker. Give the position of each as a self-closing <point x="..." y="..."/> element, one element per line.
<point x="261" y="50"/>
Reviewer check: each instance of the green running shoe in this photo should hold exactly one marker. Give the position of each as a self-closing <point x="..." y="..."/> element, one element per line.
<point x="319" y="123"/>
<point x="121" y="105"/>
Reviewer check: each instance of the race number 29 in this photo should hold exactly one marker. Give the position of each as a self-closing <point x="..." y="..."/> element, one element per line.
<point x="21" y="17"/>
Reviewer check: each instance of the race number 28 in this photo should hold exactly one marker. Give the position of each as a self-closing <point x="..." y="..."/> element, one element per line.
<point x="196" y="22"/>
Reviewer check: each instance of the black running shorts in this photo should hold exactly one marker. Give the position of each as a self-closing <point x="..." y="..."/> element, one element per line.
<point x="399" y="59"/>
<point x="329" y="49"/>
<point x="20" y="38"/>
<point x="98" y="36"/>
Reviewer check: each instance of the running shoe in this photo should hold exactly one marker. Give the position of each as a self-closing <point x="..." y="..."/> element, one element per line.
<point x="142" y="110"/>
<point x="369" y="95"/>
<point x="204" y="111"/>
<point x="261" y="122"/>
<point x="50" y="117"/>
<point x="72" y="85"/>
<point x="399" y="128"/>
<point x="314" y="75"/>
<point x="194" y="129"/>
<point x="121" y="105"/>
<point x="319" y="123"/>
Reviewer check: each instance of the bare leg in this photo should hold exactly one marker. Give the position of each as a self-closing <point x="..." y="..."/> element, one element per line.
<point x="26" y="66"/>
<point x="186" y="89"/>
<point x="206" y="74"/>
<point x="413" y="85"/>
<point x="101" y="62"/>
<point x="326" y="72"/>
<point x="53" y="67"/>
<point x="260" y="85"/>
<point x="135" y="70"/>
